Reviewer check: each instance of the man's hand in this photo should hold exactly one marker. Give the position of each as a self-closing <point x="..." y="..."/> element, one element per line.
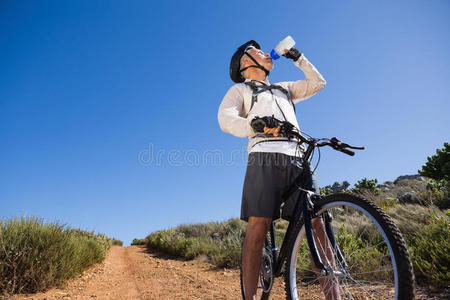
<point x="293" y="54"/>
<point x="265" y="124"/>
<point x="273" y="131"/>
<point x="258" y="124"/>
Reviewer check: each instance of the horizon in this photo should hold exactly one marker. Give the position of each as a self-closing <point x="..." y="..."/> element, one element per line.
<point x="108" y="111"/>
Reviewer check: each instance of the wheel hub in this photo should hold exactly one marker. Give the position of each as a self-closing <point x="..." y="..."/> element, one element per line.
<point x="330" y="273"/>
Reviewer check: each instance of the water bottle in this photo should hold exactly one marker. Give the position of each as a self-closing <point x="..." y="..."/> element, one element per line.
<point x="282" y="47"/>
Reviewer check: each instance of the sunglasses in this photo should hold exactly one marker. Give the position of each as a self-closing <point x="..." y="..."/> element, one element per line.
<point x="249" y="47"/>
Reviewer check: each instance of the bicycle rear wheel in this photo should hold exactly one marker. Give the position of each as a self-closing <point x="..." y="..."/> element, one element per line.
<point x="374" y="264"/>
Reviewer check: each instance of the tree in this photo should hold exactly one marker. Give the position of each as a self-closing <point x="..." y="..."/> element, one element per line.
<point x="438" y="165"/>
<point x="438" y="169"/>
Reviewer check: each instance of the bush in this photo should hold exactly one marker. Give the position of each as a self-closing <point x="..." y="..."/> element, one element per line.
<point x="366" y="185"/>
<point x="138" y="242"/>
<point x="219" y="242"/>
<point x="439" y="193"/>
<point x="325" y="191"/>
<point x="35" y="256"/>
<point x="430" y="251"/>
<point x="115" y="242"/>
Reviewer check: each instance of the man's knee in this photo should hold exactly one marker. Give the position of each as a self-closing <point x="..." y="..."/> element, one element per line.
<point x="257" y="228"/>
<point x="258" y="224"/>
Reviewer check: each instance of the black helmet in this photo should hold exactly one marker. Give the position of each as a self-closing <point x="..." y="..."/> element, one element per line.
<point x="235" y="64"/>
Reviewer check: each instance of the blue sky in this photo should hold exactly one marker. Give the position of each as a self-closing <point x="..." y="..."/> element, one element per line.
<point x="108" y="109"/>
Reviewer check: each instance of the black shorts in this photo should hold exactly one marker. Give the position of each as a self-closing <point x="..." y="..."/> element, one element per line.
<point x="268" y="176"/>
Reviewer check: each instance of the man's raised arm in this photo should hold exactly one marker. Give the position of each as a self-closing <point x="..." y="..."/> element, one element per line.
<point x="314" y="82"/>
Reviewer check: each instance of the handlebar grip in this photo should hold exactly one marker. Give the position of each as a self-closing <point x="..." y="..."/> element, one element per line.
<point x="357" y="148"/>
<point x="348" y="152"/>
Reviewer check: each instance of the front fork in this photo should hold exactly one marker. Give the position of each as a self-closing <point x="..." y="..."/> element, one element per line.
<point x="308" y="214"/>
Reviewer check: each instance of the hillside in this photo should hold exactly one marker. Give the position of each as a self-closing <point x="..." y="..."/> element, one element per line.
<point x="407" y="199"/>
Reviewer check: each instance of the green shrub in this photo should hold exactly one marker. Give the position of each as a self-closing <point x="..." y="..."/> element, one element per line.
<point x="438" y="191"/>
<point x="115" y="242"/>
<point x="386" y="203"/>
<point x="138" y="242"/>
<point x="219" y="242"/>
<point x="430" y="251"/>
<point x="325" y="191"/>
<point x="35" y="256"/>
<point x="366" y="185"/>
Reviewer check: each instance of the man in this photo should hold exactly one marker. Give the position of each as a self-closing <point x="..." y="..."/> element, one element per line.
<point x="273" y="159"/>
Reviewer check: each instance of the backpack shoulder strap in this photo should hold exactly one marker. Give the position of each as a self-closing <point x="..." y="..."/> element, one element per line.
<point x="290" y="99"/>
<point x="255" y="93"/>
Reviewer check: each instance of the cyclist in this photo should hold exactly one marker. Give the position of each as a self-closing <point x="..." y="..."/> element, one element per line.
<point x="273" y="160"/>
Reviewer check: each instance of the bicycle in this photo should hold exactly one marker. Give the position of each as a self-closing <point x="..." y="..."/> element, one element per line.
<point x="368" y="257"/>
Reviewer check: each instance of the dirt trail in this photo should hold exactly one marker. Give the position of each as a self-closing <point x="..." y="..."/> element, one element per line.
<point x="133" y="273"/>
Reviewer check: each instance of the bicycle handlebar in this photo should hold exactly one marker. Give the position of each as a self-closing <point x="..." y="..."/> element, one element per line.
<point x="290" y="131"/>
<point x="333" y="143"/>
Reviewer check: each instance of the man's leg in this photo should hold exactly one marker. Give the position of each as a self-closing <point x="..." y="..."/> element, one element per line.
<point x="257" y="228"/>
<point x="330" y="287"/>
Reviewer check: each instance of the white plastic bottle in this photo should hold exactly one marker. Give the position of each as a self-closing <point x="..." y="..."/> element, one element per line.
<point x="282" y="47"/>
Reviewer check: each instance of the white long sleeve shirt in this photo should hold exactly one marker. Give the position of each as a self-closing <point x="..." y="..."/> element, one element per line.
<point x="234" y="113"/>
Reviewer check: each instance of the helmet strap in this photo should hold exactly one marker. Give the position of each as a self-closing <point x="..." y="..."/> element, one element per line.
<point x="253" y="66"/>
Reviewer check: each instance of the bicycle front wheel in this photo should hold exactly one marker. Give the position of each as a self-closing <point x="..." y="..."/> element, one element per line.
<point x="369" y="260"/>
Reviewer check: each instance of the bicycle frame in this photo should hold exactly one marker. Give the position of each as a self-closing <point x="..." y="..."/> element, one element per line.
<point x="304" y="208"/>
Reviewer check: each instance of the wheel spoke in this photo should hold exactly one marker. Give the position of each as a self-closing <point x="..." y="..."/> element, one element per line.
<point x="374" y="290"/>
<point x="364" y="289"/>
<point x="375" y="271"/>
